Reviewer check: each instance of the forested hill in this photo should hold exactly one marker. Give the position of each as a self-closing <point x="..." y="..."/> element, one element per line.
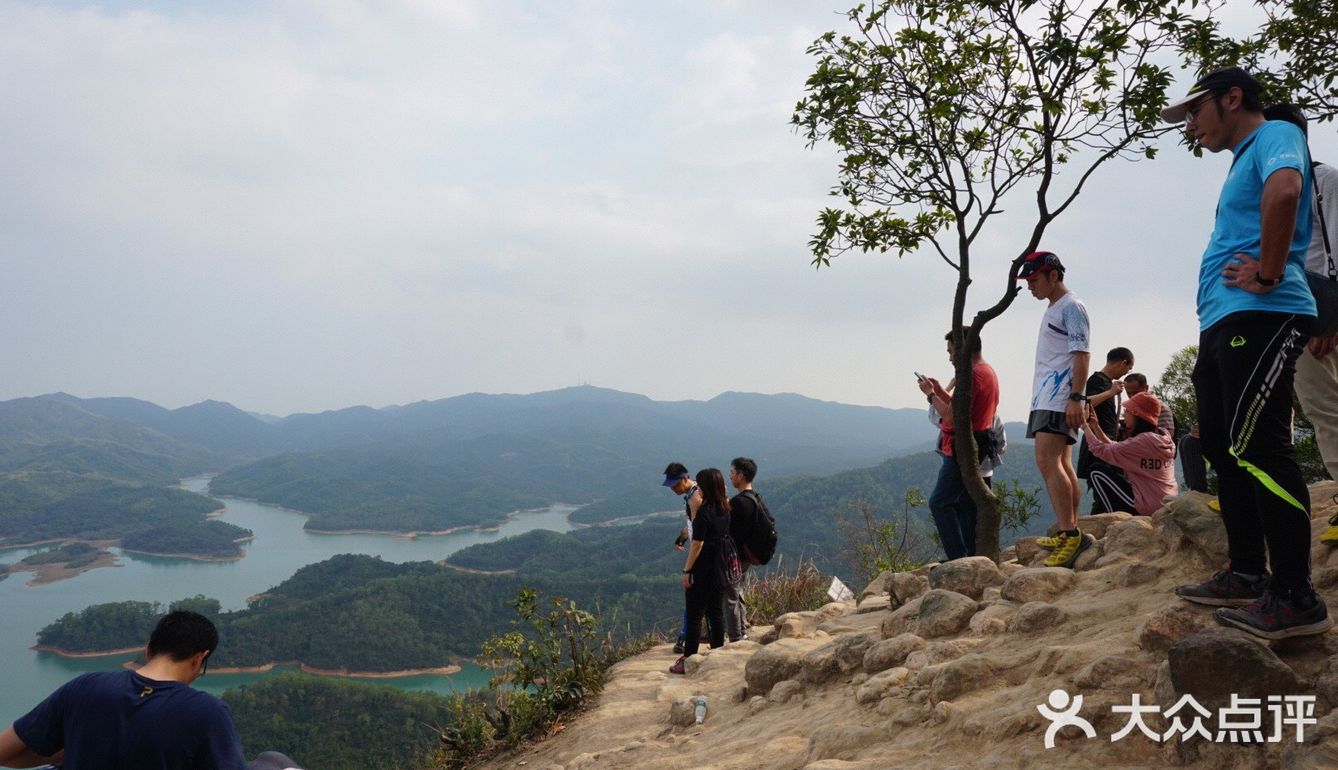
<point x="99" y="467"/>
<point x="362" y="613"/>
<point x="69" y="474"/>
<point x="575" y="445"/>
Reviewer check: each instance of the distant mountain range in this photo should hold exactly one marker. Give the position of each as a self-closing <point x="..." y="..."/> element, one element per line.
<point x="433" y="465"/>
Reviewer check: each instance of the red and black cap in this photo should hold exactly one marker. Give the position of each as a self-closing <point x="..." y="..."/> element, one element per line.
<point x="1038" y="261"/>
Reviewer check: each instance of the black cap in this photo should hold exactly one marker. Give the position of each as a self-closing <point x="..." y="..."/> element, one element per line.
<point x="1215" y="82"/>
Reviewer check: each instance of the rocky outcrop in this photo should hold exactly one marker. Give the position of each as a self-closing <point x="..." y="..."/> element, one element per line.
<point x="943" y="613"/>
<point x="969" y="576"/>
<point x="1038" y="584"/>
<point x="947" y="668"/>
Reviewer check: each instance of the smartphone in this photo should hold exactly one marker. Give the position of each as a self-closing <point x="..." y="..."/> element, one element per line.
<point x="919" y="376"/>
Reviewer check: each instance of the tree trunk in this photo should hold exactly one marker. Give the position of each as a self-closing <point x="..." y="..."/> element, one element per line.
<point x="988" y="519"/>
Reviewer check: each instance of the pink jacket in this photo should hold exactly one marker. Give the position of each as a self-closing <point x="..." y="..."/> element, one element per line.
<point x="1148" y="461"/>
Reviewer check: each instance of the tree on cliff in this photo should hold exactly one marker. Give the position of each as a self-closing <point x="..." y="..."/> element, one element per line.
<point x="943" y="109"/>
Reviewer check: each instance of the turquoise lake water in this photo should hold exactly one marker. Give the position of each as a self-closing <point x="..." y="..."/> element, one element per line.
<point x="279" y="549"/>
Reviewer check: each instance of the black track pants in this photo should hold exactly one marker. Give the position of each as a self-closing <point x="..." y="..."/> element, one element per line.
<point x="1243" y="380"/>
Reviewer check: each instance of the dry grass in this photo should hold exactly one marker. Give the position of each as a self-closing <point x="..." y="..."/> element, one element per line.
<point x="784" y="590"/>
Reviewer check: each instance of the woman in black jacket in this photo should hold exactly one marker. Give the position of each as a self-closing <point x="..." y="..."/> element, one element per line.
<point x="705" y="573"/>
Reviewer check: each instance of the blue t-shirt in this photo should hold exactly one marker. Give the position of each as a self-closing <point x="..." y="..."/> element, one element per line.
<point x="1275" y="145"/>
<point x="123" y="721"/>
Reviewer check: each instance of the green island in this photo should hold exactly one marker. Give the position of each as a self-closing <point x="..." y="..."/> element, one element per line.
<point x="361" y="614"/>
<point x="62" y="507"/>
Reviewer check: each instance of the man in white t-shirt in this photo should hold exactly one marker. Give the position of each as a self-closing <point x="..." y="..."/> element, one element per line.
<point x="1058" y="401"/>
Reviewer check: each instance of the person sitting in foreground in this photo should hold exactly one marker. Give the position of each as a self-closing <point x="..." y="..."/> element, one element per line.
<point x="1147" y="458"/>
<point x="150" y="719"/>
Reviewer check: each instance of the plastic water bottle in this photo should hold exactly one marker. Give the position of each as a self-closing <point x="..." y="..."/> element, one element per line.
<point x="700" y="701"/>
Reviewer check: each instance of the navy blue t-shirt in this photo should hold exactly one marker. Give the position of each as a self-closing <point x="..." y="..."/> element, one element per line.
<point x="123" y="721"/>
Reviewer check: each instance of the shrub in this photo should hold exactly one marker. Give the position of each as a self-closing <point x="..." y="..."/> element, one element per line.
<point x="780" y="591"/>
<point x="547" y="666"/>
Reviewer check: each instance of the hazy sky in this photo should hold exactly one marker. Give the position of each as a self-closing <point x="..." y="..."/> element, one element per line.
<point x="305" y="205"/>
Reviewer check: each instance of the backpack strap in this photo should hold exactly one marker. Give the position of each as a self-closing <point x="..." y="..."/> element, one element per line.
<point x="1323" y="226"/>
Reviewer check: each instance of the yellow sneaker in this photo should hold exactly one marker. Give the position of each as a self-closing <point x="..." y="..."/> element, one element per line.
<point x="1049" y="542"/>
<point x="1066" y="553"/>
<point x="1330" y="536"/>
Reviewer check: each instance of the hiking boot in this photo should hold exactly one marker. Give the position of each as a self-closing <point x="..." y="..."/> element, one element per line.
<point x="678" y="667"/>
<point x="1224" y="589"/>
<point x="1330" y="536"/>
<point x="678" y="647"/>
<point x="1066" y="552"/>
<point x="1049" y="542"/>
<point x="1275" y="616"/>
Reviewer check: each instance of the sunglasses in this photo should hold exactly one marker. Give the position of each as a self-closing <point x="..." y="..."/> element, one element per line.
<point x="1191" y="112"/>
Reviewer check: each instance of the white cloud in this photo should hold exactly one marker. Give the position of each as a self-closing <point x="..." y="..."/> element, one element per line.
<point x="306" y="205"/>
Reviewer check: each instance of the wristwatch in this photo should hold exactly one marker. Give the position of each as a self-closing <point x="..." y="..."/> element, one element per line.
<point x="1077" y="397"/>
<point x="1262" y="281"/>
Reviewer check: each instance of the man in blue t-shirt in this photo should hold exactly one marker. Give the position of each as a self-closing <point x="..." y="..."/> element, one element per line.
<point x="150" y="719"/>
<point x="1254" y="313"/>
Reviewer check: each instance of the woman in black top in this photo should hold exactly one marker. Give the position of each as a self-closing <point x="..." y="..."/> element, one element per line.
<point x="704" y="571"/>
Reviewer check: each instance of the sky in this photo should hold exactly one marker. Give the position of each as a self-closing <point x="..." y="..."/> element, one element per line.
<point x="310" y="204"/>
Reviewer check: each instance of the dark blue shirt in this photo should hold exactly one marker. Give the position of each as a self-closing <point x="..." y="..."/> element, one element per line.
<point x="123" y="721"/>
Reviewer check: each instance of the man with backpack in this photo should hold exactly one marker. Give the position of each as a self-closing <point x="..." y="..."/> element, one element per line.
<point x="754" y="534"/>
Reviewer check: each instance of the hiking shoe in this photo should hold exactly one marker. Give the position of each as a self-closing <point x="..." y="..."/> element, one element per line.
<point x="1274" y="616"/>
<point x="1066" y="553"/>
<point x="1224" y="589"/>
<point x="1330" y="536"/>
<point x="678" y="667"/>
<point x="1215" y="504"/>
<point x="678" y="647"/>
<point x="1049" y="542"/>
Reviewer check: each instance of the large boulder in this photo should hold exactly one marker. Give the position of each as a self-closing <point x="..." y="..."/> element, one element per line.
<point x="838" y="657"/>
<point x="1037" y="584"/>
<point x="891" y="652"/>
<point x="903" y="619"/>
<point x="1192" y="523"/>
<point x="880" y="685"/>
<point x="1170" y="624"/>
<point x="992" y="620"/>
<point x="943" y="613"/>
<point x="905" y="586"/>
<point x="876" y="587"/>
<point x="1135" y="539"/>
<point x="1212" y="665"/>
<point x="683" y="712"/>
<point x="961" y="676"/>
<point x="969" y="576"/>
<point x="1097" y="525"/>
<point x="773" y="663"/>
<point x="1036" y="616"/>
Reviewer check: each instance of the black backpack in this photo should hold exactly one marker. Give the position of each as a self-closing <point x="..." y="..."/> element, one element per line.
<point x="758" y="545"/>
